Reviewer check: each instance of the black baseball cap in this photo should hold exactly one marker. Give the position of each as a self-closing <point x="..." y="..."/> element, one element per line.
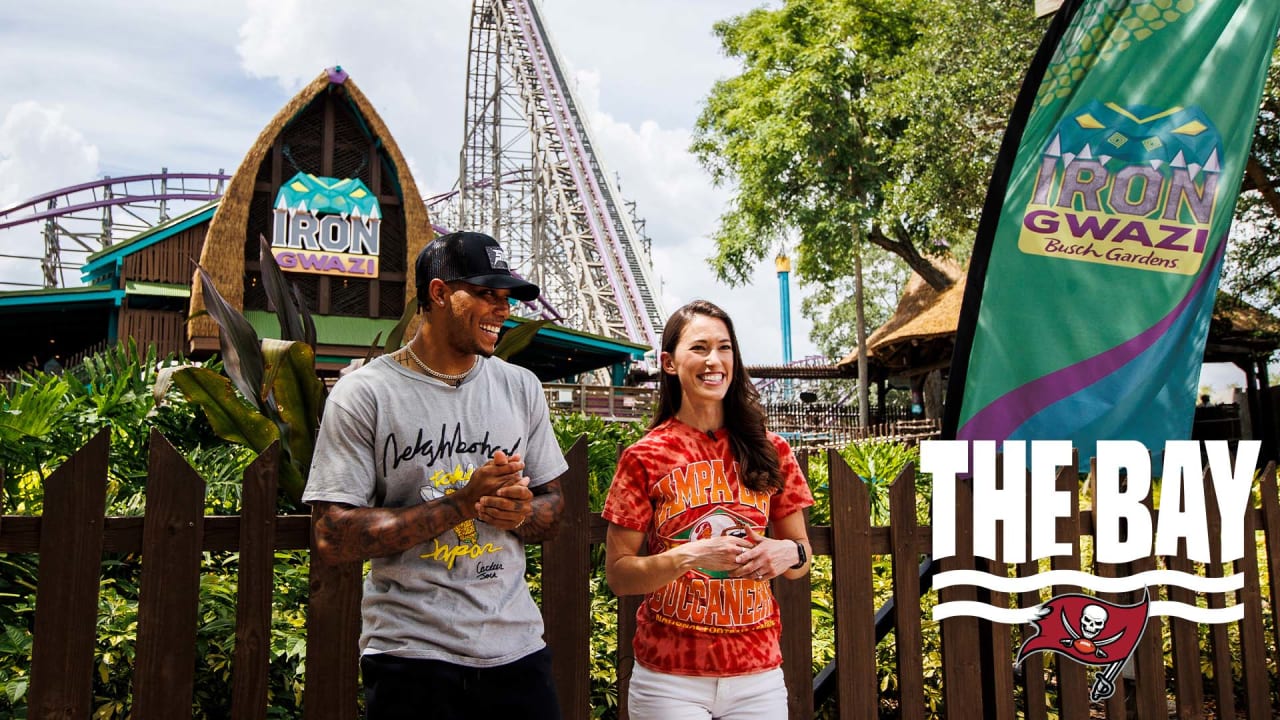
<point x="470" y="257"/>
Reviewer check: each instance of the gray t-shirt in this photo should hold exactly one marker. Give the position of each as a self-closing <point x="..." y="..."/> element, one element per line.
<point x="393" y="438"/>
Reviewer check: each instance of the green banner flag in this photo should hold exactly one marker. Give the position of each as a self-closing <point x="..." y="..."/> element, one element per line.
<point x="1097" y="261"/>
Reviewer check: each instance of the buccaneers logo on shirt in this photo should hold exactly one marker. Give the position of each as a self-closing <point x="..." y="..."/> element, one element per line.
<point x="720" y="521"/>
<point x="711" y="600"/>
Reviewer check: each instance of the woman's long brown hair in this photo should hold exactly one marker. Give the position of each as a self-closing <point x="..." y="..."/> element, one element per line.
<point x="744" y="418"/>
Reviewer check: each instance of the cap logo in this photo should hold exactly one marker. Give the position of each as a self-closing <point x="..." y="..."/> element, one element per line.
<point x="497" y="259"/>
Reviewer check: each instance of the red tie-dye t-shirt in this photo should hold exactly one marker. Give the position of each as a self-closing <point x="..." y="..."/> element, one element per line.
<point x="678" y="484"/>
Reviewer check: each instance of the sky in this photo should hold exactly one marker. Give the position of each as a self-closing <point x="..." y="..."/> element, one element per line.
<point x="96" y="89"/>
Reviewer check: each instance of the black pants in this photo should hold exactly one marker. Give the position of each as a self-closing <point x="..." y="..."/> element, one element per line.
<point x="402" y="689"/>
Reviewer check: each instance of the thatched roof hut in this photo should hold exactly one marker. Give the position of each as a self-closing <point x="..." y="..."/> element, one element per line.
<point x="328" y="129"/>
<point x="1239" y="330"/>
<point x="920" y="335"/>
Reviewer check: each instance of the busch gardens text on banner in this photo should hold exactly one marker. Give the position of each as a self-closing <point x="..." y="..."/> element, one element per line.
<point x="1102" y="270"/>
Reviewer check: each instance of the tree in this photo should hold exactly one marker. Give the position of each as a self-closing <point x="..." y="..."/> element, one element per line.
<point x="1253" y="256"/>
<point x="830" y="305"/>
<point x="861" y="119"/>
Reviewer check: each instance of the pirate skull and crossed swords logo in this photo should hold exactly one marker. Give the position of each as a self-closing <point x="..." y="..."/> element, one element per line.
<point x="1093" y="620"/>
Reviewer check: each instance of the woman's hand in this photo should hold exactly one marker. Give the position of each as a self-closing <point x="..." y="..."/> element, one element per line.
<point x="766" y="559"/>
<point x="714" y="553"/>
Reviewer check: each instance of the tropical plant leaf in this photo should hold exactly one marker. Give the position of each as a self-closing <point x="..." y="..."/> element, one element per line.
<point x="228" y="415"/>
<point x="308" y="322"/>
<point x="396" y="337"/>
<point x="297" y="393"/>
<point x="164" y="380"/>
<point x="373" y="350"/>
<point x="277" y="289"/>
<point x="292" y="482"/>
<point x="241" y="350"/>
<point x="34" y="407"/>
<point x="518" y="338"/>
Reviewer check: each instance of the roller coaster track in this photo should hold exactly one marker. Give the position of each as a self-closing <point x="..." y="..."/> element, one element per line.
<point x="80" y="220"/>
<point x="554" y="207"/>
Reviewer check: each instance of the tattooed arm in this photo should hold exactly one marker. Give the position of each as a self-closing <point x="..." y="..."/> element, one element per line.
<point x="533" y="514"/>
<point x="543" y="522"/>
<point x="345" y="533"/>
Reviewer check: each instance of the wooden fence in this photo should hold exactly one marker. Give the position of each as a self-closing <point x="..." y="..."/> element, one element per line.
<point x="978" y="678"/>
<point x="823" y="425"/>
<point x="611" y="402"/>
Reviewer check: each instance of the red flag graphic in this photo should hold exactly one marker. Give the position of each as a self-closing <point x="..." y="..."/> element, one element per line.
<point x="1087" y="629"/>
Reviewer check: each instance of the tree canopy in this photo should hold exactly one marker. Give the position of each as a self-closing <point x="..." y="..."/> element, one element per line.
<point x="861" y="119"/>
<point x="1253" y="255"/>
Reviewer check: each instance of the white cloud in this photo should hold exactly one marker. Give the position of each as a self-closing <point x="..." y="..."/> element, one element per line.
<point x="39" y="151"/>
<point x="681" y="207"/>
<point x="413" y="74"/>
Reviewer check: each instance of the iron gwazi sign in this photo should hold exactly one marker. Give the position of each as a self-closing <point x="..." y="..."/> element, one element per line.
<point x="1129" y="187"/>
<point x="326" y="226"/>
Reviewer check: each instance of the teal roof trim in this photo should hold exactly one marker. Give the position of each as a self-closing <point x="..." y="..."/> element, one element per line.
<point x="105" y="262"/>
<point x="563" y="336"/>
<point x="60" y="296"/>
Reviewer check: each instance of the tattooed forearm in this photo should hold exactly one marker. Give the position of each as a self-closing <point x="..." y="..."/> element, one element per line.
<point x="544" y="522"/>
<point x="345" y="534"/>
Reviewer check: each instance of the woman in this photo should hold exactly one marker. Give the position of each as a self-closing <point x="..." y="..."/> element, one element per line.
<point x="687" y="513"/>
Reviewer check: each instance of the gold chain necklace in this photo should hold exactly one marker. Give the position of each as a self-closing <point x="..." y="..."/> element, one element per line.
<point x="453" y="380"/>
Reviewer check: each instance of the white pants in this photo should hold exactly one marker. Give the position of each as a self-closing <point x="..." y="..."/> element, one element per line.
<point x="660" y="696"/>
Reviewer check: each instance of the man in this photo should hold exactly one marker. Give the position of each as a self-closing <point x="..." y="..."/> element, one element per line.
<point x="438" y="462"/>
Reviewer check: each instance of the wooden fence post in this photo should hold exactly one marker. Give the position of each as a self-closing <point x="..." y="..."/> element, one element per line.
<point x="961" y="656"/>
<point x="1033" y="666"/>
<point x="1148" y="657"/>
<point x="333" y="636"/>
<point x="1116" y="707"/>
<point x="1219" y="639"/>
<point x="1268" y="495"/>
<point x="996" y="638"/>
<point x="169" y="593"/>
<point x="906" y="592"/>
<point x="628" y="606"/>
<point x="566" y="590"/>
<point x="1188" y="679"/>
<point x="254" y="586"/>
<point x="1073" y="684"/>
<point x="1253" y="654"/>
<point x="795" y="604"/>
<point x="70" y="568"/>
<point x="855" y="614"/>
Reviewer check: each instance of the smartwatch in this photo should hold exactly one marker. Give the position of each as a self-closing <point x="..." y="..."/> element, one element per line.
<point x="804" y="556"/>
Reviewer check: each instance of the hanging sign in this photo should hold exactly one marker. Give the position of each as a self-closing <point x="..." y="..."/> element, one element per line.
<point x="326" y="226"/>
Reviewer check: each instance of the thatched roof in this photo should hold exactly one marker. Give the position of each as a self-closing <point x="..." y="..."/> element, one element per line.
<point x="1239" y="329"/>
<point x="923" y="313"/>
<point x="223" y="253"/>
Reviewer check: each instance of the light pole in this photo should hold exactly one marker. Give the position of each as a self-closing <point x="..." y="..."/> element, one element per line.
<point x="783" y="265"/>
